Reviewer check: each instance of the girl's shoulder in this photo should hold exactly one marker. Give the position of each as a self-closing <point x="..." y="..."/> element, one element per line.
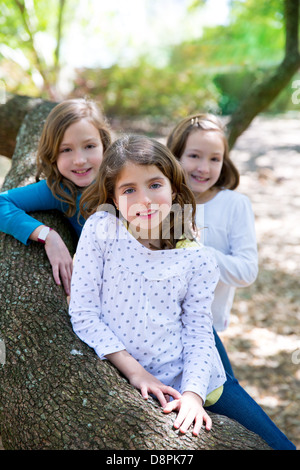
<point x="197" y="252"/>
<point x="29" y="188"/>
<point x="37" y="193"/>
<point x="233" y="195"/>
<point x="102" y="216"/>
<point x="102" y="223"/>
<point x="99" y="217"/>
<point x="229" y="199"/>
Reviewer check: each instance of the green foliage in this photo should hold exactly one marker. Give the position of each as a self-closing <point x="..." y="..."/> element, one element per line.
<point x="147" y="90"/>
<point x="29" y="40"/>
<point x="238" y="55"/>
<point x="212" y="72"/>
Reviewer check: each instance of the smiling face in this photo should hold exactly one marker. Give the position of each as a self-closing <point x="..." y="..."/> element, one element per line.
<point x="202" y="160"/>
<point x="80" y="153"/>
<point x="143" y="195"/>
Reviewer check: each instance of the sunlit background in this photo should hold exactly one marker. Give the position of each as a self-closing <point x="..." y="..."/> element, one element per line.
<point x="118" y="31"/>
<point x="142" y="57"/>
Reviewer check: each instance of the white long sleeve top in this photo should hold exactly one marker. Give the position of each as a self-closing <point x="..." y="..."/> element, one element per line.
<point x="154" y="304"/>
<point x="227" y="229"/>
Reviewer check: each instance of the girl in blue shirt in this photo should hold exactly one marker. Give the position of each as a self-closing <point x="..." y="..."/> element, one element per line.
<point x="70" y="151"/>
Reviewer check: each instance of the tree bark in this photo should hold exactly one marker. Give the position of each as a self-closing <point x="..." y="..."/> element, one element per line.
<point x="12" y="114"/>
<point x="55" y="393"/>
<point x="262" y="94"/>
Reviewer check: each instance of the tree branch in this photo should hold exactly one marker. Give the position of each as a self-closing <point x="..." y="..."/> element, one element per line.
<point x="59" y="33"/>
<point x="38" y="61"/>
<point x="262" y="94"/>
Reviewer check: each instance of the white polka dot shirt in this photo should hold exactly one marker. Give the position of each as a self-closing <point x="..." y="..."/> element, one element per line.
<point x="156" y="304"/>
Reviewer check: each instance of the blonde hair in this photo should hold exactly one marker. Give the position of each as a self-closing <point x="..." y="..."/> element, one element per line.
<point x="142" y="150"/>
<point x="229" y="177"/>
<point x="59" y="119"/>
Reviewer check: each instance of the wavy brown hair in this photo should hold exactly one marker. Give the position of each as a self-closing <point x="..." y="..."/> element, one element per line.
<point x="59" y="119"/>
<point x="229" y="177"/>
<point x="145" y="151"/>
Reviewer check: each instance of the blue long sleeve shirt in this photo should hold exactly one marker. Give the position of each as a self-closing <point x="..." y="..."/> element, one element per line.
<point x="16" y="203"/>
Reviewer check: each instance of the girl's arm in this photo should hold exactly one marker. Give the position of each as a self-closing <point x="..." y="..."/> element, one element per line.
<point x="189" y="405"/>
<point x="15" y="205"/>
<point x="86" y="289"/>
<point x="14" y="220"/>
<point x="202" y="370"/>
<point x="234" y="245"/>
<point x="59" y="257"/>
<point x="141" y="379"/>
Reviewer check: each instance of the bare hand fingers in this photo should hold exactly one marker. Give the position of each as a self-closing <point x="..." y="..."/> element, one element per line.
<point x="184" y="419"/>
<point x="208" y="421"/>
<point x="171" y="406"/>
<point x="66" y="280"/>
<point x="144" y="392"/>
<point x="55" y="272"/>
<point x="168" y="392"/>
<point x="171" y="392"/>
<point x="199" y="420"/>
<point x="62" y="275"/>
<point x="184" y="423"/>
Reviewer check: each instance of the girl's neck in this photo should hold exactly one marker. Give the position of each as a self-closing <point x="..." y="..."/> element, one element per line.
<point x="150" y="244"/>
<point x="201" y="198"/>
<point x="151" y="239"/>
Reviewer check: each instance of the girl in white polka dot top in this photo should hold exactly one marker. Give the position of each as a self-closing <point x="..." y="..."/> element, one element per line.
<point x="142" y="288"/>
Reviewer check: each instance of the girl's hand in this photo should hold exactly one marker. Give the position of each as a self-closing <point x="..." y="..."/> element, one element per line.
<point x="140" y="378"/>
<point x="147" y="383"/>
<point x="60" y="260"/>
<point x="190" y="407"/>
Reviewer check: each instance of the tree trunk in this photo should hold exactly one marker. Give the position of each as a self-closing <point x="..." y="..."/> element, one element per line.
<point x="12" y="114"/>
<point x="262" y="94"/>
<point x="55" y="393"/>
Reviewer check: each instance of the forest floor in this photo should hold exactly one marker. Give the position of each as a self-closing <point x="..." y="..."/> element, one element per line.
<point x="263" y="338"/>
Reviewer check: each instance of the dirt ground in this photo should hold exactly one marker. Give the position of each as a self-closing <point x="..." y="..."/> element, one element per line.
<point x="263" y="339"/>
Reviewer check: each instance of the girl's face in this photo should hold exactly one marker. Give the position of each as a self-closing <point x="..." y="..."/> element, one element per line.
<point x="143" y="195"/>
<point x="202" y="160"/>
<point x="80" y="153"/>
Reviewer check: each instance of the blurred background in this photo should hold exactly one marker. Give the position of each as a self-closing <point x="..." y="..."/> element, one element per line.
<point x="157" y="58"/>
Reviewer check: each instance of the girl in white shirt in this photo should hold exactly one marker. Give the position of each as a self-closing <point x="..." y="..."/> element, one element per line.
<point x="224" y="216"/>
<point x="142" y="289"/>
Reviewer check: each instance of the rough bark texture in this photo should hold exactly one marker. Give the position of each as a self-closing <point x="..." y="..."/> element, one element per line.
<point x="12" y="114"/>
<point x="54" y="392"/>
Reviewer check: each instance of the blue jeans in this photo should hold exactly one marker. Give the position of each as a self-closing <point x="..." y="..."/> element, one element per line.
<point x="223" y="354"/>
<point x="235" y="403"/>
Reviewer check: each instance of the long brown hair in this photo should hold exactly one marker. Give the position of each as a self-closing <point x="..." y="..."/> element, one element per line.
<point x="59" y="119"/>
<point x="143" y="150"/>
<point x="229" y="177"/>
